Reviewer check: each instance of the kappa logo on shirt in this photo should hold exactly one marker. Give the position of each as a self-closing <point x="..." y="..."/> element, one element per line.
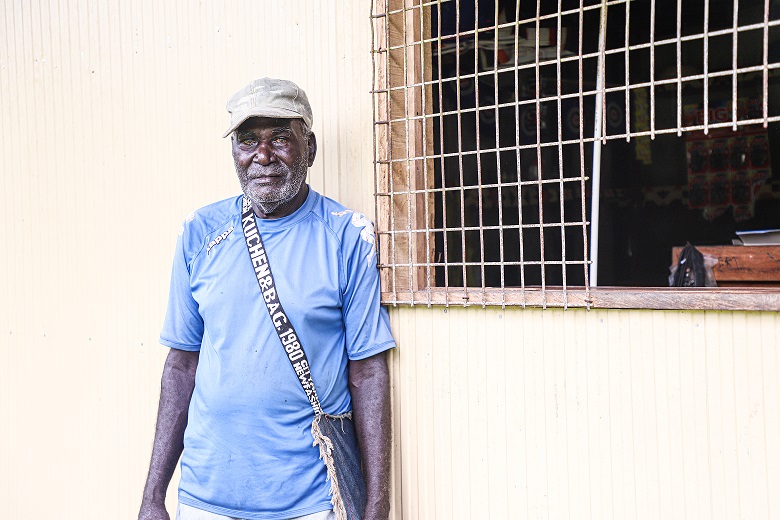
<point x="218" y="239"/>
<point x="366" y="229"/>
<point x="189" y="219"/>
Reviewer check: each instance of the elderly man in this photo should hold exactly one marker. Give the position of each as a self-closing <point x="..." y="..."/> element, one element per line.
<point x="237" y="402"/>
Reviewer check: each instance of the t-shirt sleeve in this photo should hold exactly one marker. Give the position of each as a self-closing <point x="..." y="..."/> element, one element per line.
<point x="365" y="320"/>
<point x="183" y="326"/>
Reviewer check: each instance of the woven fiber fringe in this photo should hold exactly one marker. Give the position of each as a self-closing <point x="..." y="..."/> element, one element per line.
<point x="326" y="454"/>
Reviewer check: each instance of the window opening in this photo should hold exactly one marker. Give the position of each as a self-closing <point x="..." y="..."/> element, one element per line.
<point x="521" y="145"/>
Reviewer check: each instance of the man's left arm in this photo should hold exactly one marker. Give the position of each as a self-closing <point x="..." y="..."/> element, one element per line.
<point x="369" y="384"/>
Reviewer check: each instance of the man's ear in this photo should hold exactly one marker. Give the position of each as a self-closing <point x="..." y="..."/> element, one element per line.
<point x="312" y="144"/>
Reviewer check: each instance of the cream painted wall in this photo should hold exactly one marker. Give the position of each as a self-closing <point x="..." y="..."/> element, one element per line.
<point x="602" y="414"/>
<point x="110" y="117"/>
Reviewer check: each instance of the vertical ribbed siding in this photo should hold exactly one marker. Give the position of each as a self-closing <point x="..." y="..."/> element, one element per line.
<point x="586" y="414"/>
<point x="111" y="114"/>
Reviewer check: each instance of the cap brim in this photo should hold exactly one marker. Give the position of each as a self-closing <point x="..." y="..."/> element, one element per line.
<point x="279" y="113"/>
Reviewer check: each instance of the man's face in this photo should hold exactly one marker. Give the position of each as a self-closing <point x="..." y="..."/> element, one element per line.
<point x="272" y="157"/>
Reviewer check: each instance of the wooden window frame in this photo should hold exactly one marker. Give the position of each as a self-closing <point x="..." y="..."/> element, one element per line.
<point x="405" y="258"/>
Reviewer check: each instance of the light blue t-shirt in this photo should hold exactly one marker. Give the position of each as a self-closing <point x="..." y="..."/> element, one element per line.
<point x="248" y="447"/>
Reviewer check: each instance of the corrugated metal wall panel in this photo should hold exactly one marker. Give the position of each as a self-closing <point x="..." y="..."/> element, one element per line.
<point x="110" y="117"/>
<point x="111" y="114"/>
<point x="587" y="414"/>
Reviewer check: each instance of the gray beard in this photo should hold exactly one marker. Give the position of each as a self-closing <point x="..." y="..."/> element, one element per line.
<point x="272" y="202"/>
<point x="269" y="207"/>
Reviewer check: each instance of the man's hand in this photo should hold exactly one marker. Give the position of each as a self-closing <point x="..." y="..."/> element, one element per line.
<point x="369" y="384"/>
<point x="178" y="381"/>
<point x="153" y="511"/>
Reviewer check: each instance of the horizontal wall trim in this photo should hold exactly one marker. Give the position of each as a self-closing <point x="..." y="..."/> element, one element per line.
<point x="660" y="298"/>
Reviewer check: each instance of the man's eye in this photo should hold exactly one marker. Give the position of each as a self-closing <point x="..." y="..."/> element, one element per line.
<point x="281" y="140"/>
<point x="248" y="141"/>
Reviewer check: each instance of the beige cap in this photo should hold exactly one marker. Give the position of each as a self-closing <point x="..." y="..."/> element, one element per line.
<point x="268" y="97"/>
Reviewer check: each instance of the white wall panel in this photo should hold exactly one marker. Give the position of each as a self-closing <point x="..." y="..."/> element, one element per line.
<point x="587" y="414"/>
<point x="111" y="115"/>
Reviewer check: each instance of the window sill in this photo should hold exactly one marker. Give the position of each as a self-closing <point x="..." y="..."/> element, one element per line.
<point x="662" y="298"/>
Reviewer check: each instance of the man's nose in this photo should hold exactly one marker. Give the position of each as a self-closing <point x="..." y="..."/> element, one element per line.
<point x="264" y="154"/>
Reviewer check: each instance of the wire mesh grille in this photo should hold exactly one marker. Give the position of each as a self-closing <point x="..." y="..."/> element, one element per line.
<point x="490" y="118"/>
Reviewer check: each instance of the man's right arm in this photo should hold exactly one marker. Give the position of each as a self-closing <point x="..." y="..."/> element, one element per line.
<point x="178" y="381"/>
